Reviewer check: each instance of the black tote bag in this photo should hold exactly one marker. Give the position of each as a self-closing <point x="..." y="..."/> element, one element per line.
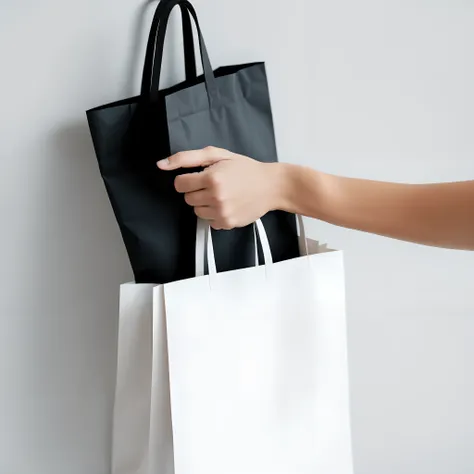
<point x="228" y="108"/>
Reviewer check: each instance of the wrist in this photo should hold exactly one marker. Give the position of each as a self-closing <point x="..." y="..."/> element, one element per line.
<point x="302" y="190"/>
<point x="285" y="179"/>
<point x="279" y="183"/>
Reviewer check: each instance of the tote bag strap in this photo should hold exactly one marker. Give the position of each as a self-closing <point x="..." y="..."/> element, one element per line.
<point x="210" y="80"/>
<point x="189" y="55"/>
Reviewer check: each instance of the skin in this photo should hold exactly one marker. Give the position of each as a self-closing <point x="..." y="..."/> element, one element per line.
<point x="235" y="190"/>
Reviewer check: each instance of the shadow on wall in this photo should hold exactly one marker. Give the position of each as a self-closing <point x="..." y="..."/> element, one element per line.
<point x="135" y="61"/>
<point x="76" y="264"/>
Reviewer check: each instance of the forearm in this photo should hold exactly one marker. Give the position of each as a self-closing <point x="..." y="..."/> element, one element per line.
<point x="441" y="215"/>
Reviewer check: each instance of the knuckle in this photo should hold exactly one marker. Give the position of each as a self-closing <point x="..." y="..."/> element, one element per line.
<point x="214" y="179"/>
<point x="211" y="150"/>
<point x="218" y="200"/>
<point x="216" y="183"/>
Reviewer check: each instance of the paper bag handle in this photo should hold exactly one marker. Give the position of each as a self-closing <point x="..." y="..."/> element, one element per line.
<point x="205" y="248"/>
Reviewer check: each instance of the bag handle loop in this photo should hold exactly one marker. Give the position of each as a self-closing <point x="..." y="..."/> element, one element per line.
<point x="210" y="80"/>
<point x="189" y="55"/>
<point x="205" y="248"/>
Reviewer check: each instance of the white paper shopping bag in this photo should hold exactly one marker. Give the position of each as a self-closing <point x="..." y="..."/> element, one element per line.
<point x="142" y="441"/>
<point x="258" y="367"/>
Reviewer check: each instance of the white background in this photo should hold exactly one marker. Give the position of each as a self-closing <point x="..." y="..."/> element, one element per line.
<point x="374" y="89"/>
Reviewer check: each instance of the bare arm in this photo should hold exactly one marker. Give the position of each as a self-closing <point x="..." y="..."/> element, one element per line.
<point x="235" y="190"/>
<point x="440" y="215"/>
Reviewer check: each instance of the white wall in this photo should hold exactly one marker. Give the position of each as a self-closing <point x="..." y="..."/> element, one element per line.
<point x="377" y="89"/>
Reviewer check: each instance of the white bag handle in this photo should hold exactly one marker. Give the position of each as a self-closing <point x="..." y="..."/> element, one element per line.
<point x="205" y="248"/>
<point x="201" y="244"/>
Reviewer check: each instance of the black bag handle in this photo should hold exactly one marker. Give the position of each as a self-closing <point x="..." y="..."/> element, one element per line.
<point x="210" y="80"/>
<point x="189" y="56"/>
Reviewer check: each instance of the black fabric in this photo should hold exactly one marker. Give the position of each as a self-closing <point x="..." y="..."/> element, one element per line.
<point x="228" y="108"/>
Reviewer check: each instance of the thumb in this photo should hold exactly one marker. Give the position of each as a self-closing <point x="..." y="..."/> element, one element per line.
<point x="194" y="159"/>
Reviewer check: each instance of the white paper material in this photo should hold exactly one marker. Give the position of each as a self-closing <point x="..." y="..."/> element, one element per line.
<point x="142" y="439"/>
<point x="242" y="372"/>
<point x="258" y="369"/>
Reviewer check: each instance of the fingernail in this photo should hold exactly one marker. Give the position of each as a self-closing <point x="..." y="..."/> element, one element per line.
<point x="164" y="163"/>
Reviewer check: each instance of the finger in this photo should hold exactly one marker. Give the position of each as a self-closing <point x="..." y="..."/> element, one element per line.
<point x="194" y="158"/>
<point x="205" y="212"/>
<point x="198" y="198"/>
<point x="190" y="183"/>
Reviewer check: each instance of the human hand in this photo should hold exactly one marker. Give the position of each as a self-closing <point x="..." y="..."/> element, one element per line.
<point x="232" y="191"/>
